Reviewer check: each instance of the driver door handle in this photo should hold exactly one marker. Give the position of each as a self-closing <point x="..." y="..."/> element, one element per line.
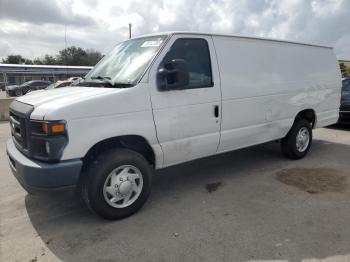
<point x="216" y="111"/>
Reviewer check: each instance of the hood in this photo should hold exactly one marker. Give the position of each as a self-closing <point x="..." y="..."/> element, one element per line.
<point x="35" y="91"/>
<point x="11" y="87"/>
<point x="55" y="99"/>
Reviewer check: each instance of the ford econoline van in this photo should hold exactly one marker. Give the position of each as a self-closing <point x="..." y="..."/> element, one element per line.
<point x="159" y="100"/>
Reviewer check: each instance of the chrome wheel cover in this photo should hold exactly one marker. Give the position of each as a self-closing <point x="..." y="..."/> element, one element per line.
<point x="302" y="139"/>
<point x="123" y="186"/>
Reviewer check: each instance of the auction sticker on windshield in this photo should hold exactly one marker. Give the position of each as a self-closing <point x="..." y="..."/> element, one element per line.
<point x="154" y="43"/>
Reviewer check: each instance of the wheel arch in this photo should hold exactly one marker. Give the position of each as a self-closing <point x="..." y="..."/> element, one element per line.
<point x="308" y="114"/>
<point x="133" y="142"/>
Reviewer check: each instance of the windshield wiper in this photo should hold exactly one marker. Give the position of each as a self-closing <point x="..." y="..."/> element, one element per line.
<point x="107" y="80"/>
<point x="104" y="80"/>
<point x="100" y="77"/>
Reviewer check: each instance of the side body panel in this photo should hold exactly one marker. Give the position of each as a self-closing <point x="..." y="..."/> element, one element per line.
<point x="265" y="84"/>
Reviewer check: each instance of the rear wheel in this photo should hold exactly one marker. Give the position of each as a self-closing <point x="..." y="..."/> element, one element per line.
<point x="117" y="183"/>
<point x="298" y="141"/>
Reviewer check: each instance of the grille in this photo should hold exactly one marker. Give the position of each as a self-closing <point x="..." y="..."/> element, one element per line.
<point x="19" y="121"/>
<point x="18" y="130"/>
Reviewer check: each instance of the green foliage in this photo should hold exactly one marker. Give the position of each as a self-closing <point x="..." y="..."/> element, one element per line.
<point x="16" y="59"/>
<point x="78" y="56"/>
<point x="345" y="71"/>
<point x="71" y="56"/>
<point x="46" y="60"/>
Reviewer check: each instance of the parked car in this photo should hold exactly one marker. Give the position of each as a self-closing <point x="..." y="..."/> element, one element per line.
<point x="74" y="78"/>
<point x="164" y="99"/>
<point x="8" y="89"/>
<point x="59" y="84"/>
<point x="344" y="114"/>
<point x="19" y="90"/>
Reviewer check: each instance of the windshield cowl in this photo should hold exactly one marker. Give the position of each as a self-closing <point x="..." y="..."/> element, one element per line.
<point x="109" y="84"/>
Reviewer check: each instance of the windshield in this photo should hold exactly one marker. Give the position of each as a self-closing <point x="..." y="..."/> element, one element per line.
<point x="27" y="83"/>
<point x="52" y="86"/>
<point x="126" y="63"/>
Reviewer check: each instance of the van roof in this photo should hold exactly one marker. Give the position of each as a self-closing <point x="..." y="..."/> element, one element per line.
<point x="236" y="36"/>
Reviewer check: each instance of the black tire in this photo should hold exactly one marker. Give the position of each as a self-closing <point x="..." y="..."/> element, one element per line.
<point x="289" y="143"/>
<point x="97" y="173"/>
<point x="18" y="92"/>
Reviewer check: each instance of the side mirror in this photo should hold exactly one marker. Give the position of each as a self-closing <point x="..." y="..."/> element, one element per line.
<point x="173" y="75"/>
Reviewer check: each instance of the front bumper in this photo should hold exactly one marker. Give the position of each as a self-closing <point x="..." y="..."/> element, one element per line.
<point x="37" y="176"/>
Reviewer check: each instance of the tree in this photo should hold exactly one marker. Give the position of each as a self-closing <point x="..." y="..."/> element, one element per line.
<point x="47" y="60"/>
<point x="92" y="57"/>
<point x="75" y="56"/>
<point x="345" y="71"/>
<point x="71" y="56"/>
<point x="16" y="59"/>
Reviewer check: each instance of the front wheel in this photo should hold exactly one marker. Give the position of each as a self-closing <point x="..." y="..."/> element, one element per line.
<point x="18" y="92"/>
<point x="117" y="183"/>
<point x="298" y="141"/>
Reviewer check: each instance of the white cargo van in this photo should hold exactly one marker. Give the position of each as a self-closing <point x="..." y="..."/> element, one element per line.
<point x="164" y="99"/>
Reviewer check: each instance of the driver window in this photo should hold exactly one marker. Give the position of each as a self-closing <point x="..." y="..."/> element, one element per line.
<point x="195" y="52"/>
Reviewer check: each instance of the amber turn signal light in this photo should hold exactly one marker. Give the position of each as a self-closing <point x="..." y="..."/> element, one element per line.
<point x="53" y="128"/>
<point x="57" y="128"/>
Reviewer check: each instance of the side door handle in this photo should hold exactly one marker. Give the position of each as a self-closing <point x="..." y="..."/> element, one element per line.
<point x="216" y="111"/>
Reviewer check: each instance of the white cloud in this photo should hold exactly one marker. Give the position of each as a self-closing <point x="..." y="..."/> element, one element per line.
<point x="100" y="24"/>
<point x="325" y="8"/>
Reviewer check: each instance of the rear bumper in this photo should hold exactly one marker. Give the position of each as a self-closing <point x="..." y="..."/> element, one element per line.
<point x="344" y="117"/>
<point x="37" y="176"/>
<point x="10" y="92"/>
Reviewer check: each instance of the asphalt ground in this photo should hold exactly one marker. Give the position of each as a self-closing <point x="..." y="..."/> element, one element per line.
<point x="246" y="205"/>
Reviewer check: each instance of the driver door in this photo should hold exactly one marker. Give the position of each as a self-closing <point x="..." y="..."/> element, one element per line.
<point x="187" y="119"/>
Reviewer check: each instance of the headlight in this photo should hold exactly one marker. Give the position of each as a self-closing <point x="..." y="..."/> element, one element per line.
<point x="48" y="139"/>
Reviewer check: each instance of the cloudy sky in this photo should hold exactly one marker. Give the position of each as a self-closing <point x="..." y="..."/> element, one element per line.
<point x="33" y="28"/>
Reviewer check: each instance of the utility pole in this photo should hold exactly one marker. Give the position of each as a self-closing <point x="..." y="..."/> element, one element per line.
<point x="65" y="49"/>
<point x="129" y="30"/>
